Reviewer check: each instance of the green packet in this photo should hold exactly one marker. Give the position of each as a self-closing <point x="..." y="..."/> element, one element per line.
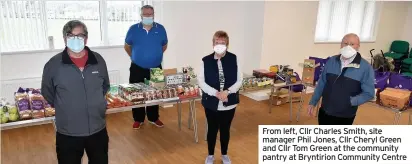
<point x="156" y="75"/>
<point x="114" y="89"/>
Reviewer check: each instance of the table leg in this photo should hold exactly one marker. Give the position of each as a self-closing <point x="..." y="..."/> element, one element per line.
<point x="271" y="99"/>
<point x="194" y="118"/>
<point x="300" y="105"/>
<point x="54" y="124"/>
<point x="189" y="124"/>
<point x="290" y="104"/>
<point x="179" y="114"/>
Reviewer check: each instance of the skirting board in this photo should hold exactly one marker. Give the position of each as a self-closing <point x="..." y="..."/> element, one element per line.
<point x="263" y="94"/>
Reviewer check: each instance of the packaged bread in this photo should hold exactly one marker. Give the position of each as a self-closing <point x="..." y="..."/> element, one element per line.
<point x="159" y="95"/>
<point x="173" y="92"/>
<point x="36" y="104"/>
<point x="180" y="90"/>
<point x="148" y="96"/>
<point x="132" y="93"/>
<point x="49" y="111"/>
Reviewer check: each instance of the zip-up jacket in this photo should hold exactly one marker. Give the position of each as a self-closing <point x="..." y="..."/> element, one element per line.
<point x="78" y="96"/>
<point x="344" y="89"/>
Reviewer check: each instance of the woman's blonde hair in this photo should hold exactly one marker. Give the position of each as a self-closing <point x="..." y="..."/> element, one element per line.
<point x="221" y="35"/>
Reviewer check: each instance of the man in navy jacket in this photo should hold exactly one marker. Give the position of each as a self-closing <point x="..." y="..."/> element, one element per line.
<point x="347" y="81"/>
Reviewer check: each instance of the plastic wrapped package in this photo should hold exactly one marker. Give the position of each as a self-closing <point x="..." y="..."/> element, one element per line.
<point x="36" y="104"/>
<point x="49" y="111"/>
<point x="23" y="104"/>
<point x="8" y="113"/>
<point x="132" y="93"/>
<point x="165" y="94"/>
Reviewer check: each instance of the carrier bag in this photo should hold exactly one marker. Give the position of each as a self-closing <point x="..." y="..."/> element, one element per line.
<point x="381" y="79"/>
<point x="400" y="81"/>
<point x="296" y="88"/>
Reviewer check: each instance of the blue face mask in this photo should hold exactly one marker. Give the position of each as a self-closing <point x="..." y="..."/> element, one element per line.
<point x="75" y="44"/>
<point x="147" y="20"/>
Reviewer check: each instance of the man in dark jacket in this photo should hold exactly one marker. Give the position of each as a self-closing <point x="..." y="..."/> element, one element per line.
<point x="75" y="82"/>
<point x="347" y="81"/>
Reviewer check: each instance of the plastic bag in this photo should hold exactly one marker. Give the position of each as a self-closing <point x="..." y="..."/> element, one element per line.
<point x="400" y="81"/>
<point x="23" y="104"/>
<point x="381" y="79"/>
<point x="37" y="104"/>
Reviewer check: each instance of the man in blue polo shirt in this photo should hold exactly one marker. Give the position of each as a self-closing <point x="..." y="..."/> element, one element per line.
<point x="145" y="43"/>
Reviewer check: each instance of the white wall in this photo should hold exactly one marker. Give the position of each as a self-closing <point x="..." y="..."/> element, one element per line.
<point x="407" y="31"/>
<point x="190" y="26"/>
<point x="0" y="72"/>
<point x="257" y="30"/>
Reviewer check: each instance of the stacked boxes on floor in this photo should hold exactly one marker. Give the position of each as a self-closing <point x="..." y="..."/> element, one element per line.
<point x="398" y="51"/>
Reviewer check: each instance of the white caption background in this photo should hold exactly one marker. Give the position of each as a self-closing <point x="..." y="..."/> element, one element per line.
<point x="291" y="144"/>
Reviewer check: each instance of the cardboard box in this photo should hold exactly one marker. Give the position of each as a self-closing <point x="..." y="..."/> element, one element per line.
<point x="169" y="71"/>
<point x="271" y="75"/>
<point x="296" y="97"/>
<point x="260" y="72"/>
<point x="282" y="97"/>
<point x="395" y="98"/>
<point x="280" y="100"/>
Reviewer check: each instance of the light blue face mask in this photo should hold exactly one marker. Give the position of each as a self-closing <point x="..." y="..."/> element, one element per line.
<point x="75" y="44"/>
<point x="147" y="20"/>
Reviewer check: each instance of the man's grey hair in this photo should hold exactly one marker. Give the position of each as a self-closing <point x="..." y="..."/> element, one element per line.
<point x="146" y="7"/>
<point x="69" y="26"/>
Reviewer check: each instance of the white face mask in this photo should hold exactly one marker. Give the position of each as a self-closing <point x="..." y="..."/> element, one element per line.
<point x="348" y="52"/>
<point x="220" y="49"/>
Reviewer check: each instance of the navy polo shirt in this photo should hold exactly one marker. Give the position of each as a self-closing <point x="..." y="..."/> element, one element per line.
<point x="147" y="46"/>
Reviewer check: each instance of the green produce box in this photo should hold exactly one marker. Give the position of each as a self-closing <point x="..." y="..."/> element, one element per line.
<point x="156" y="75"/>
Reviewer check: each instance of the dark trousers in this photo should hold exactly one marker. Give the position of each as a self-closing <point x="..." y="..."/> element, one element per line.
<point x="70" y="149"/>
<point x="137" y="75"/>
<point x="219" y="121"/>
<point x="325" y="119"/>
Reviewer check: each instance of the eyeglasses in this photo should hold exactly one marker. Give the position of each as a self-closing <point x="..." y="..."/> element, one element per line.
<point x="78" y="36"/>
<point x="348" y="44"/>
